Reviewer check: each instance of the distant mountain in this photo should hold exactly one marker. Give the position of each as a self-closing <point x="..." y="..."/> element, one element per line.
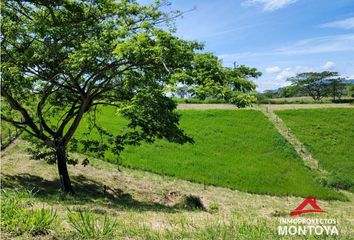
<point x="345" y="81"/>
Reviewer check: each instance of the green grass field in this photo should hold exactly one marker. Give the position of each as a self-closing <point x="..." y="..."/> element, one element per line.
<point x="329" y="136"/>
<point x="235" y="149"/>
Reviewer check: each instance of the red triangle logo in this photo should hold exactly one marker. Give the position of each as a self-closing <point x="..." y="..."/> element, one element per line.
<point x="301" y="208"/>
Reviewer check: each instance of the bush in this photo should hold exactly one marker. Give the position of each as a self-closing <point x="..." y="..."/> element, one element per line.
<point x="17" y="216"/>
<point x="213" y="206"/>
<point x="339" y="182"/>
<point x="242" y="100"/>
<point x="89" y="227"/>
<point x="343" y="100"/>
<point x="198" y="101"/>
<point x="192" y="202"/>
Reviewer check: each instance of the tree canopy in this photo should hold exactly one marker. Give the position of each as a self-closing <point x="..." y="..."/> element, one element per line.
<point x="206" y="77"/>
<point x="316" y="84"/>
<point x="62" y="59"/>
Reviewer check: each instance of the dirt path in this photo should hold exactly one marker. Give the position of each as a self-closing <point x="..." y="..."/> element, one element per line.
<point x="299" y="147"/>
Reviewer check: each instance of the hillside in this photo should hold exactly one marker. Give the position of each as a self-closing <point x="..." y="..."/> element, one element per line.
<point x="236" y="149"/>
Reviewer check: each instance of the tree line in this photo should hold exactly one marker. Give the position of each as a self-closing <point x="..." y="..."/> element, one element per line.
<point x="314" y="84"/>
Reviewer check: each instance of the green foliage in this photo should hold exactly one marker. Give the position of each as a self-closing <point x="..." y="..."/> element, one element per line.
<point x="207" y="78"/>
<point x="351" y="90"/>
<point x="213" y="206"/>
<point x="242" y="100"/>
<point x="63" y="57"/>
<point x="235" y="149"/>
<point x="300" y="100"/>
<point x="90" y="227"/>
<point x="18" y="215"/>
<point x="335" y="180"/>
<point x="328" y="134"/>
<point x="284" y="92"/>
<point x="197" y="100"/>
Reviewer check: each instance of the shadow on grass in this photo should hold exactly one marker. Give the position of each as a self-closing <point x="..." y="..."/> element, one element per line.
<point x="87" y="190"/>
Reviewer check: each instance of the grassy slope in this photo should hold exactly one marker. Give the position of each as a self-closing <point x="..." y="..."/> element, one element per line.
<point x="143" y="203"/>
<point x="236" y="149"/>
<point x="329" y="136"/>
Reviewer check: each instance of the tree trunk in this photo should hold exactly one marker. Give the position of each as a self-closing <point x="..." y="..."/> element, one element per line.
<point x="65" y="182"/>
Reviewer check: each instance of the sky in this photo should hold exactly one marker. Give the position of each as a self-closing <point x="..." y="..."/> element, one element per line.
<point x="278" y="37"/>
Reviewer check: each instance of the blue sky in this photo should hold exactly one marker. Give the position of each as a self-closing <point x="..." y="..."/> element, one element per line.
<point x="279" y="37"/>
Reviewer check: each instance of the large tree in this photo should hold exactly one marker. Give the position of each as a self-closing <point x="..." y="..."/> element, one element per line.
<point x="62" y="59"/>
<point x="315" y="84"/>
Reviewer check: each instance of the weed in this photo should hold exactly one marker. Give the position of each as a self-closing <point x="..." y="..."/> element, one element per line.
<point x="213" y="206"/>
<point x="90" y="227"/>
<point x="18" y="215"/>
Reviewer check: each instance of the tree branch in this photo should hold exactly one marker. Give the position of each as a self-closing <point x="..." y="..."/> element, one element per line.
<point x="40" y="106"/>
<point x="83" y="108"/>
<point x="28" y="120"/>
<point x="69" y="115"/>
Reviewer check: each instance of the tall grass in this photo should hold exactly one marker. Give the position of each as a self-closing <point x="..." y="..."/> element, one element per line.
<point x="90" y="227"/>
<point x="18" y="215"/>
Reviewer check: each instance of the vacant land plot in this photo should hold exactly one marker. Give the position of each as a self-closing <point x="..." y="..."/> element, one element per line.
<point x="329" y="136"/>
<point x="236" y="149"/>
<point x="144" y="205"/>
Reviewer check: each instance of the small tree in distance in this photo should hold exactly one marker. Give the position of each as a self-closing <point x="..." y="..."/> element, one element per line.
<point x="62" y="59"/>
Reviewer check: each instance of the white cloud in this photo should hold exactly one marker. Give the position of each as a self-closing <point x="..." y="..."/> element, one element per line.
<point x="299" y="69"/>
<point x="327" y="44"/>
<point x="274" y="69"/>
<point x="269" y="5"/>
<point x="291" y="72"/>
<point x="283" y="75"/>
<point x="328" y="65"/>
<point x="344" y="24"/>
<point x="351" y="77"/>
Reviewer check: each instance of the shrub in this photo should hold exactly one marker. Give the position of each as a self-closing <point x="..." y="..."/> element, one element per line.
<point x="39" y="221"/>
<point x="18" y="216"/>
<point x="343" y="100"/>
<point x="89" y="227"/>
<point x="339" y="182"/>
<point x="213" y="206"/>
<point x="192" y="202"/>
